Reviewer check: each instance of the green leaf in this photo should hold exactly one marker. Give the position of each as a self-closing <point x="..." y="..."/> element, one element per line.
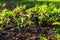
<point x="4" y="4"/>
<point x="40" y="21"/>
<point x="1" y="28"/>
<point x="57" y="30"/>
<point x="18" y="22"/>
<point x="56" y="23"/>
<point x="58" y="36"/>
<point x="43" y="38"/>
<point x="0" y="22"/>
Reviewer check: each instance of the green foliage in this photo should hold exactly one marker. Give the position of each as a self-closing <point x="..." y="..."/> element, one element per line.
<point x="43" y="38"/>
<point x="4" y="4"/>
<point x="58" y="36"/>
<point x="40" y="21"/>
<point x="46" y="13"/>
<point x="19" y="8"/>
<point x="5" y="16"/>
<point x="58" y="30"/>
<point x="18" y="21"/>
<point x="56" y="23"/>
<point x="58" y="33"/>
<point x="22" y="16"/>
<point x="1" y="28"/>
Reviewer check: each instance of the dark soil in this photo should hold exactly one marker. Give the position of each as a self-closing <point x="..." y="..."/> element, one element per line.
<point x="28" y="33"/>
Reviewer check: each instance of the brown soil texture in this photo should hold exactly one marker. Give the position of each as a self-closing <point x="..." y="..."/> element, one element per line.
<point x="28" y="33"/>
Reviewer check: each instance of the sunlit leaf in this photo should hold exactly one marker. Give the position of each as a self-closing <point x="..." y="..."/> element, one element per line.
<point x="56" y="23"/>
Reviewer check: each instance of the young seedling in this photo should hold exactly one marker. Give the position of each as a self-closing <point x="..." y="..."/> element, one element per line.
<point x="5" y="16"/>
